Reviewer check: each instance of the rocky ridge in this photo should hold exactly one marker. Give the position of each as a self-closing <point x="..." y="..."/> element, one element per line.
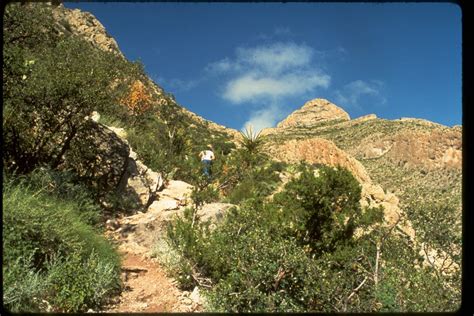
<point x="84" y="24"/>
<point x="322" y="133"/>
<point x="312" y="112"/>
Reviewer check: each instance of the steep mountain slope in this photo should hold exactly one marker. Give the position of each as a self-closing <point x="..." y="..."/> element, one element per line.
<point x="85" y="25"/>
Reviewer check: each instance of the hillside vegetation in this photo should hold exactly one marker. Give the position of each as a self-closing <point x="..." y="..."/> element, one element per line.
<point x="296" y="240"/>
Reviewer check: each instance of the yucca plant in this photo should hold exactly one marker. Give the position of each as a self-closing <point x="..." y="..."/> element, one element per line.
<point x="251" y="140"/>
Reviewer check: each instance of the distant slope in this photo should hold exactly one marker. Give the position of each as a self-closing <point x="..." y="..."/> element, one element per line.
<point x="413" y="158"/>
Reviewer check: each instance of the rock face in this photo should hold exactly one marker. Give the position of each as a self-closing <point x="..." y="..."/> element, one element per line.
<point x="317" y="151"/>
<point x="321" y="151"/>
<point x="314" y="111"/>
<point x="426" y="150"/>
<point x="98" y="156"/>
<point x="87" y="26"/>
<point x="104" y="160"/>
<point x="141" y="182"/>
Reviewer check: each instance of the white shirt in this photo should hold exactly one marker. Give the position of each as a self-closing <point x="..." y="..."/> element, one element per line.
<point x="207" y="155"/>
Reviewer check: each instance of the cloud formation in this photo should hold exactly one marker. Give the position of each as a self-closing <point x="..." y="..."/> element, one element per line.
<point x="252" y="87"/>
<point x="265" y="117"/>
<point x="265" y="75"/>
<point x="356" y="92"/>
<point x="269" y="73"/>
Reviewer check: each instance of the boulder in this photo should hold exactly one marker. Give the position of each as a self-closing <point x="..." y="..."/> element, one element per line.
<point x="98" y="156"/>
<point x="213" y="212"/>
<point x="163" y="205"/>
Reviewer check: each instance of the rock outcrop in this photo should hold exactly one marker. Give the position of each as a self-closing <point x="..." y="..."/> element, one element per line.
<point x="313" y="112"/>
<point x="87" y="26"/>
<point x="102" y="157"/>
<point x="320" y="151"/>
<point x="98" y="156"/>
<point x="427" y="150"/>
<point x="317" y="151"/>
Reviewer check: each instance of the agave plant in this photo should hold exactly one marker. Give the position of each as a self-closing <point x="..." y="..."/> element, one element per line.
<point x="251" y="140"/>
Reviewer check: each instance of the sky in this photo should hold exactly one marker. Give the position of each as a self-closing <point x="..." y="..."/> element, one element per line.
<point x="254" y="63"/>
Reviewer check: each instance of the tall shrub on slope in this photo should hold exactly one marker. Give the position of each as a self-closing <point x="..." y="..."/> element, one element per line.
<point x="51" y="83"/>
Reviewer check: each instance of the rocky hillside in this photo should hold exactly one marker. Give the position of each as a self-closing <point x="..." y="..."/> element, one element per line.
<point x="91" y="160"/>
<point x="85" y="25"/>
<point x="413" y="158"/>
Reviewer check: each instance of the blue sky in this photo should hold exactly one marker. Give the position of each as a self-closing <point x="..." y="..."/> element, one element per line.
<point x="241" y="63"/>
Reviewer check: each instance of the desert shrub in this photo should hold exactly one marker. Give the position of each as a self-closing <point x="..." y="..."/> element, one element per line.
<point x="23" y="286"/>
<point x="324" y="207"/>
<point x="260" y="259"/>
<point x="431" y="267"/>
<point x="76" y="283"/>
<point x="267" y="274"/>
<point x="39" y="226"/>
<point x="66" y="185"/>
<point x="51" y="83"/>
<point x="48" y="114"/>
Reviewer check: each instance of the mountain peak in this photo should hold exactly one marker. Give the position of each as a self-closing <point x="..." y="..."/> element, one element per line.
<point x="314" y="111"/>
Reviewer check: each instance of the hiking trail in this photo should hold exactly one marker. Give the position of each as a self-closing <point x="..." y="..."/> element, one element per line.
<point x="147" y="288"/>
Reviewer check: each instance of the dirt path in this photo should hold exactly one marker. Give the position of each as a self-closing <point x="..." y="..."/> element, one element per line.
<point x="147" y="288"/>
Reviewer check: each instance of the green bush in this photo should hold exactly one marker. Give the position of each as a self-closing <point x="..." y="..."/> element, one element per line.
<point x="325" y="207"/>
<point x="23" y="286"/>
<point x="77" y="284"/>
<point x="259" y="260"/>
<point x="39" y="226"/>
<point x="52" y="81"/>
<point x="267" y="274"/>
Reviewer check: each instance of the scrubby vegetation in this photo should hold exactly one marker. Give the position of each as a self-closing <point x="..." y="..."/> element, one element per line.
<point x="53" y="251"/>
<point x="299" y="252"/>
<point x="54" y="256"/>
<point x="309" y="247"/>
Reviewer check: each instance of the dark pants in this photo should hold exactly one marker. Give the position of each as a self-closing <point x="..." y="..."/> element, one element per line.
<point x="206" y="165"/>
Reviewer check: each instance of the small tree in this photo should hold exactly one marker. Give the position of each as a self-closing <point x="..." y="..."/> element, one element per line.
<point x="138" y="100"/>
<point x="325" y="208"/>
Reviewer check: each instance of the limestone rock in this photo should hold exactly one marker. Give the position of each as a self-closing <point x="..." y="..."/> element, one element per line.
<point x="87" y="26"/>
<point x="213" y="212"/>
<point x="195" y="296"/>
<point x="317" y="150"/>
<point x="365" y="118"/>
<point x="98" y="155"/>
<point x="121" y="132"/>
<point x="178" y="190"/>
<point x="163" y="205"/>
<point x="314" y="111"/>
<point x="141" y="182"/>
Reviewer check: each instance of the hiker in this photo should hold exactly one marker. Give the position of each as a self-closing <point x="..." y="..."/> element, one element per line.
<point x="207" y="156"/>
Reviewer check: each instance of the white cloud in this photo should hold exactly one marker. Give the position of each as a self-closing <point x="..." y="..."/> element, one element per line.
<point x="263" y="118"/>
<point x="222" y="66"/>
<point x="268" y="73"/>
<point x="275" y="58"/>
<point x="355" y="92"/>
<point x="253" y="87"/>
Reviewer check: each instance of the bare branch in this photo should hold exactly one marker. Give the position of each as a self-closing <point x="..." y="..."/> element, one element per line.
<point x="354" y="292"/>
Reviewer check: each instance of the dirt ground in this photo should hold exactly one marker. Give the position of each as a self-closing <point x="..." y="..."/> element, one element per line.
<point x="147" y="288"/>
